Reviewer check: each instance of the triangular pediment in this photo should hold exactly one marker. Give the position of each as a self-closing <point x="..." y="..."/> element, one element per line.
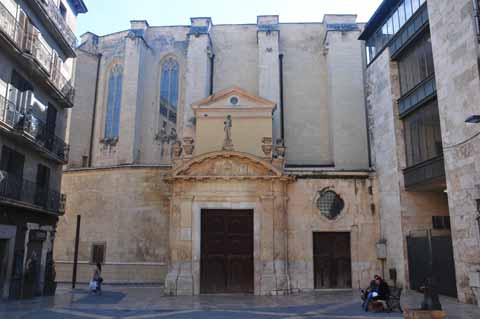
<point x="226" y="164"/>
<point x="234" y="98"/>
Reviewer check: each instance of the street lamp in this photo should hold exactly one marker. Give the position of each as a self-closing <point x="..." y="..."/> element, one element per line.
<point x="475" y="119"/>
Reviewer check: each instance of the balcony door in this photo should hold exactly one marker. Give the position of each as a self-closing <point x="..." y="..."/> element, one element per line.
<point x="18" y="99"/>
<point x="43" y="183"/>
<point x="50" y="126"/>
<point x="12" y="162"/>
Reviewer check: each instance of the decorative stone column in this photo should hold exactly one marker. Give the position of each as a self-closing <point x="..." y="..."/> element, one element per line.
<point x="274" y="277"/>
<point x="132" y="93"/>
<point x="179" y="280"/>
<point x="268" y="34"/>
<point x="197" y="73"/>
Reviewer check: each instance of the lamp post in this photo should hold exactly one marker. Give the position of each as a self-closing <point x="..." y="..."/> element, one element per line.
<point x="474" y="119"/>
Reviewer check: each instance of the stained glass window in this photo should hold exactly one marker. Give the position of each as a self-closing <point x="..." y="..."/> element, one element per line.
<point x="169" y="89"/>
<point x="114" y="101"/>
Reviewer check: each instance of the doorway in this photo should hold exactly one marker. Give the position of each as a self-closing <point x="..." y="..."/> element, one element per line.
<point x="226" y="264"/>
<point x="431" y="255"/>
<point x="332" y="260"/>
<point x="3" y="264"/>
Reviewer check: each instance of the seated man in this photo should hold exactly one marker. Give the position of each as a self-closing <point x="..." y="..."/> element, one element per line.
<point x="381" y="292"/>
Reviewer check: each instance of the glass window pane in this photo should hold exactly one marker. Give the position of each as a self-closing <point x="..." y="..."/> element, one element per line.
<point x="422" y="138"/>
<point x="174" y="87"/>
<point x="367" y="54"/>
<point x="118" y="102"/>
<point x="429" y="56"/>
<point x="390" y="25"/>
<point x="384" y="30"/>
<point x="110" y="105"/>
<point x="401" y="14"/>
<point x="396" y="25"/>
<point x="408" y="9"/>
<point x="415" y="5"/>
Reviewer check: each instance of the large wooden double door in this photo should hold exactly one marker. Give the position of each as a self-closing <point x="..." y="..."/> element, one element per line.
<point x="226" y="251"/>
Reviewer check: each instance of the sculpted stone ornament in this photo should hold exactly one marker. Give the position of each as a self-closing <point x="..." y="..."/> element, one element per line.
<point x="280" y="148"/>
<point x="188" y="147"/>
<point x="227" y="143"/>
<point x="267" y="146"/>
<point x="177" y="150"/>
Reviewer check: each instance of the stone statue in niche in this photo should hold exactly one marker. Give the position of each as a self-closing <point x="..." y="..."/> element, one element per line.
<point x="172" y="138"/>
<point x="227" y="143"/>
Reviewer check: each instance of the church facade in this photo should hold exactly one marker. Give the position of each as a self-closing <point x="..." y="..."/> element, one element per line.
<point x="222" y="158"/>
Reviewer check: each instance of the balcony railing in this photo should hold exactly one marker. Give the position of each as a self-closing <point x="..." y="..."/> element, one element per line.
<point x="30" y="193"/>
<point x="39" y="51"/>
<point x="424" y="173"/>
<point x="35" y="128"/>
<point x="59" y="20"/>
<point x="10" y="26"/>
<point x="63" y="85"/>
<point x="32" y="44"/>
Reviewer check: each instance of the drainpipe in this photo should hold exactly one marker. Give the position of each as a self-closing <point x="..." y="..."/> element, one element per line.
<point x="92" y="130"/>
<point x="365" y="92"/>
<point x="476" y="12"/>
<point x="212" y="65"/>
<point x="282" y="125"/>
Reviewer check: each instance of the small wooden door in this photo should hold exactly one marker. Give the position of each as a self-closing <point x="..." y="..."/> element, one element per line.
<point x="332" y="261"/>
<point x="227" y="251"/>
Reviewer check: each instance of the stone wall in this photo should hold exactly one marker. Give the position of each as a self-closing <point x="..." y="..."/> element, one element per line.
<point x="242" y="59"/>
<point x="359" y="218"/>
<point x="348" y="134"/>
<point x="80" y="119"/>
<point x="382" y="125"/>
<point x="402" y="213"/>
<point x="126" y="208"/>
<point x="456" y="54"/>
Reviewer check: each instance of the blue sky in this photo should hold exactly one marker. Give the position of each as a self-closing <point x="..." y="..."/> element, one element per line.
<point x="107" y="16"/>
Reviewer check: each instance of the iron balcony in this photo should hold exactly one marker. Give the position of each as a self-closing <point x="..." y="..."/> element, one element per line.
<point x="51" y="17"/>
<point x="28" y="129"/>
<point x="17" y="192"/>
<point x="36" y="58"/>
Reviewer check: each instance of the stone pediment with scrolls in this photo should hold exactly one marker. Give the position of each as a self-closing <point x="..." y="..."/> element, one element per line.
<point x="227" y="165"/>
<point x="233" y="98"/>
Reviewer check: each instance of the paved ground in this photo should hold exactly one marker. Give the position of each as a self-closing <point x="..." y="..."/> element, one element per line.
<point x="149" y="303"/>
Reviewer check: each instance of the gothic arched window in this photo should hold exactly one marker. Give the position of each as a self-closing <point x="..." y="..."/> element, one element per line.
<point x="169" y="90"/>
<point x="114" y="100"/>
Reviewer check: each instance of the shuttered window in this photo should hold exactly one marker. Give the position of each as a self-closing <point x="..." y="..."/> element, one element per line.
<point x="416" y="64"/>
<point x="423" y="139"/>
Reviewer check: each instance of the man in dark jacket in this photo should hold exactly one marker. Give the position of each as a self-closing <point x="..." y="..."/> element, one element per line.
<point x="381" y="292"/>
<point x="382" y="289"/>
